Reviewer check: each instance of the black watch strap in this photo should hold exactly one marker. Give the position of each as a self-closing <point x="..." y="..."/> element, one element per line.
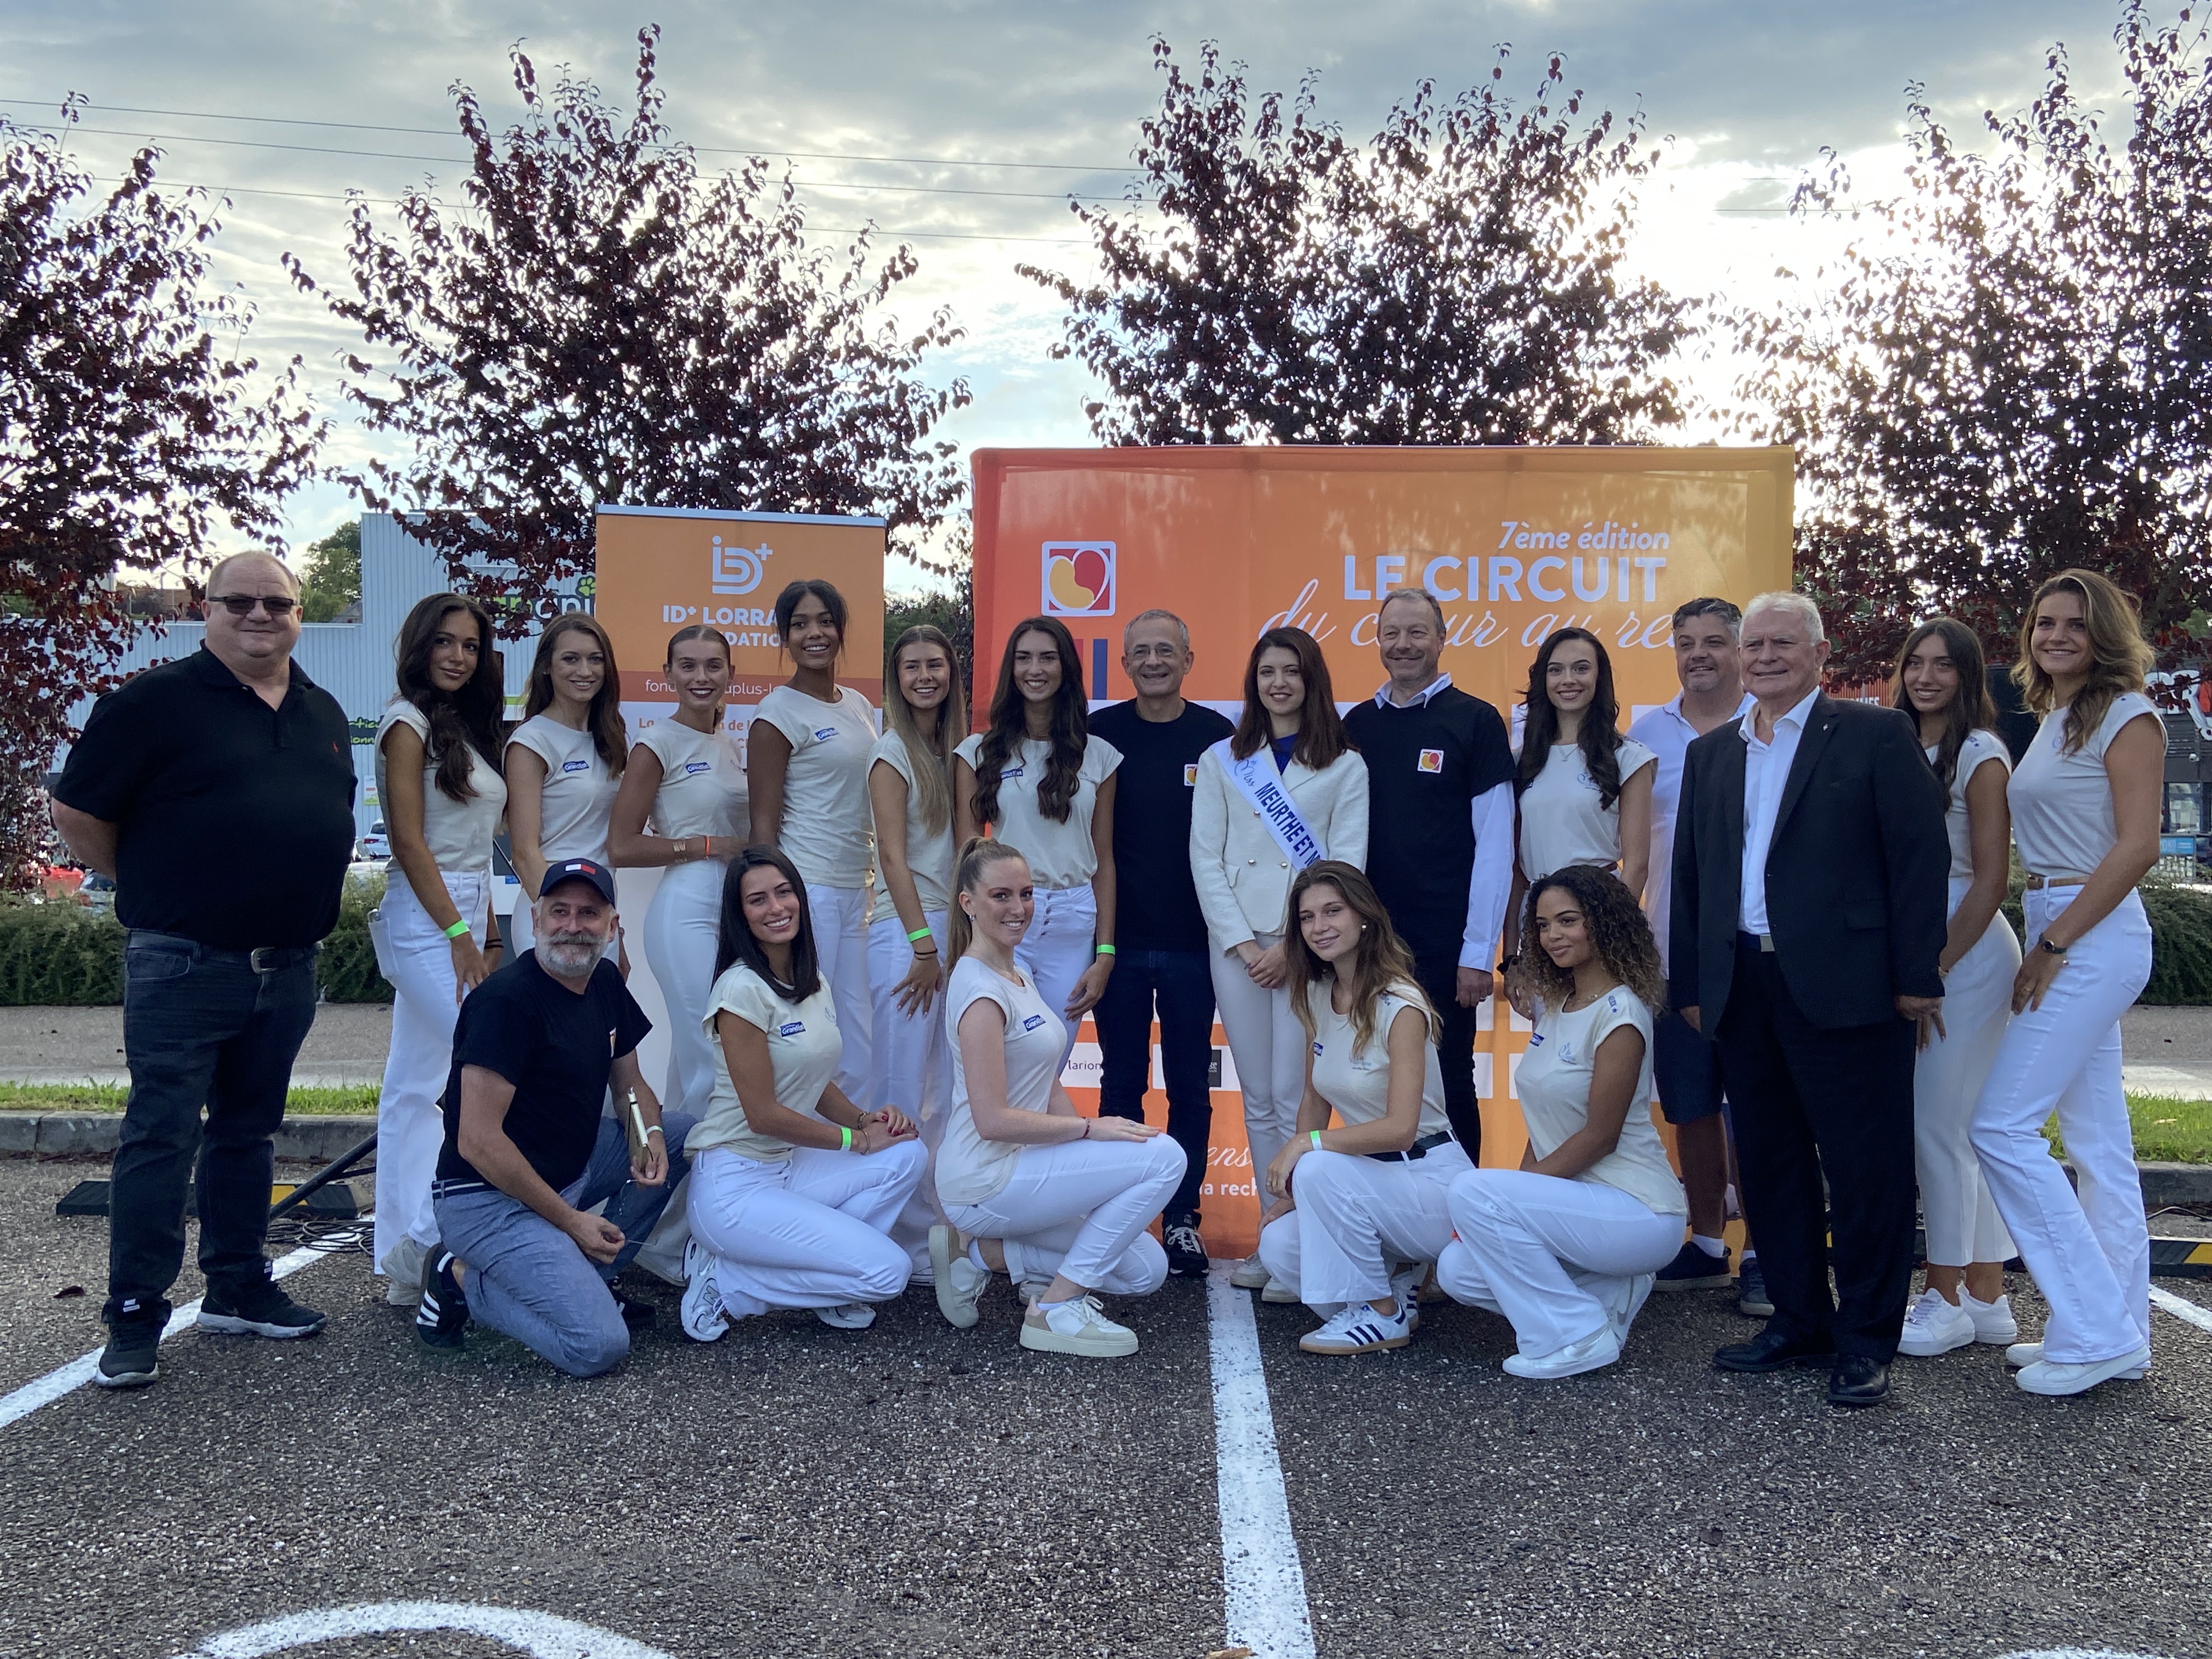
<point x="2055" y="950"/>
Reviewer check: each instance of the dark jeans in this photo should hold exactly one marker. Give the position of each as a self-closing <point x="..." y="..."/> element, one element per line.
<point x="1180" y="984"/>
<point x="200" y="1028"/>
<point x="1682" y="1067"/>
<point x="1804" y="1101"/>
<point x="1438" y="973"/>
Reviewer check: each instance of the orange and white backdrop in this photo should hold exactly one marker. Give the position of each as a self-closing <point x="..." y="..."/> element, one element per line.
<point x="1514" y="543"/>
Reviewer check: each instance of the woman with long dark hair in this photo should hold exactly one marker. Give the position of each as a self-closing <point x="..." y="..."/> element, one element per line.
<point x="438" y="782"/>
<point x="682" y="810"/>
<point x="1058" y="1202"/>
<point x="1359" y="1210"/>
<point x="2085" y="804"/>
<point x="564" y="763"/>
<point x="1940" y="683"/>
<point x="1565" y="1246"/>
<point x="1039" y="780"/>
<point x="807" y="756"/>
<point x="1287" y="789"/>
<point x="794" y="1188"/>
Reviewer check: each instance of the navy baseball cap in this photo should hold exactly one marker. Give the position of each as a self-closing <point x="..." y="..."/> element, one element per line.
<point x="579" y="870"/>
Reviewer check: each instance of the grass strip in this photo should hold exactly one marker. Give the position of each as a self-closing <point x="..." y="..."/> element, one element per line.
<point x="103" y="1097"/>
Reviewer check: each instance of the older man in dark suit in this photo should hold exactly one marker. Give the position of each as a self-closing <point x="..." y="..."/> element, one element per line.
<point x="1810" y="860"/>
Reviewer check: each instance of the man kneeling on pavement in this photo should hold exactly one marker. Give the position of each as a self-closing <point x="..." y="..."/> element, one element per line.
<point x="528" y="1154"/>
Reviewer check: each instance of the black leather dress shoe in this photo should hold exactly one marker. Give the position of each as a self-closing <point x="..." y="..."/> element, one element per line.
<point x="1770" y="1351"/>
<point x="1858" y="1381"/>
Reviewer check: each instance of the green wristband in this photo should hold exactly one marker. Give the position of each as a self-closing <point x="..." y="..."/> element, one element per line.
<point x="457" y="928"/>
<point x="846" y="1145"/>
<point x="918" y="933"/>
<point x="1105" y="950"/>
<point x="1317" y="1147"/>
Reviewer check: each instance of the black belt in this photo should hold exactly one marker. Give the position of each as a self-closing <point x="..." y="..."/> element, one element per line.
<point x="1420" y="1148"/>
<point x="1763" y="943"/>
<point x="264" y="959"/>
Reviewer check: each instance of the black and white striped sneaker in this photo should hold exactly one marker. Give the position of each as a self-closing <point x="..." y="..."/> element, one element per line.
<point x="443" y="1313"/>
<point x="1358" y="1328"/>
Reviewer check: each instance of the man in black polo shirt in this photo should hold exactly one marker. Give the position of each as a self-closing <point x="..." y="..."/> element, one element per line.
<point x="1159" y="932"/>
<point x="1440" y="835"/>
<point x="217" y="792"/>
<point x="527" y="1153"/>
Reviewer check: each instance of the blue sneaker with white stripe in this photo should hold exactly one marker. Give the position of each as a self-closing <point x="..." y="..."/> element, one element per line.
<point x="1358" y="1328"/>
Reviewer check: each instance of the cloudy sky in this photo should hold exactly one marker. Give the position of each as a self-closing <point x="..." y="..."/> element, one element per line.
<point x="995" y="110"/>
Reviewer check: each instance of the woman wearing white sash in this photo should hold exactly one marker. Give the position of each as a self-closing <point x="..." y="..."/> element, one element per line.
<point x="1287" y="790"/>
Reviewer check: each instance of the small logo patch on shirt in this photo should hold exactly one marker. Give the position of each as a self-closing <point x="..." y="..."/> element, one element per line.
<point x="575" y="766"/>
<point x="1032" y="1022"/>
<point x="1316" y="1051"/>
<point x="1190" y="775"/>
<point x="1535" y="1040"/>
<point x="824" y="733"/>
<point x="1007" y="772"/>
<point x="1432" y="760"/>
<point x="791" y="1028"/>
<point x="692" y="768"/>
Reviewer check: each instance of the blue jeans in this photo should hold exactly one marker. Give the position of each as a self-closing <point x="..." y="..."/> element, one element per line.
<point x="1180" y="984"/>
<point x="201" y="1028"/>
<point x="527" y="1278"/>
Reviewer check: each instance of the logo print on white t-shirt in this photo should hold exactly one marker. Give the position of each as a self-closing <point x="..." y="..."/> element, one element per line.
<point x="1032" y="1022"/>
<point x="791" y="1028"/>
<point x="692" y="768"/>
<point x="824" y="733"/>
<point x="1007" y="772"/>
<point x="575" y="766"/>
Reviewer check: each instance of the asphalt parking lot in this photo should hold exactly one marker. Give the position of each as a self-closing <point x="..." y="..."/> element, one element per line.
<point x="913" y="1490"/>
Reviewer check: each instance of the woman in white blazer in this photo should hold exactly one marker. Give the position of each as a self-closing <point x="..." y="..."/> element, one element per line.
<point x="1290" y="756"/>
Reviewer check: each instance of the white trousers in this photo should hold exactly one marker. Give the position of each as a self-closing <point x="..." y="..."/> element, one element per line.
<point x="1081" y="1209"/>
<point x="411" y="1128"/>
<point x="2090" y="1255"/>
<point x="910" y="1067"/>
<point x="809" y="1231"/>
<point x="1547" y="1252"/>
<point x="1059" y="948"/>
<point x="681" y="927"/>
<point x="1269" y="1047"/>
<point x="840" y="947"/>
<point x="1963" y="1223"/>
<point x="1357" y="1215"/>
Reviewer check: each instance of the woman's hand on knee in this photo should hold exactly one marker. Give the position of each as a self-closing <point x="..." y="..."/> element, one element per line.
<point x="1107" y="1128"/>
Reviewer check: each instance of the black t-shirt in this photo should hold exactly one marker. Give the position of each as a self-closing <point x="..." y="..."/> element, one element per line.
<point x="235" y="819"/>
<point x="557" y="1047"/>
<point x="1155" y="901"/>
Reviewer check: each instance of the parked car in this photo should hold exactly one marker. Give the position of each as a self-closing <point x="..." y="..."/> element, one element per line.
<point x="375" y="845"/>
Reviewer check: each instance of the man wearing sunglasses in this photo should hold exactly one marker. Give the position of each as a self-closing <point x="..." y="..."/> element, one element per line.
<point x="217" y="792"/>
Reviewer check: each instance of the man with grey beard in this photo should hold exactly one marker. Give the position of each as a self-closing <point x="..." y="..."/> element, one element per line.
<point x="528" y="1155"/>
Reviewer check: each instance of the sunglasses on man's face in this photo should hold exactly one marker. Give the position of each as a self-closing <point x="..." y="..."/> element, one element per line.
<point x="241" y="604"/>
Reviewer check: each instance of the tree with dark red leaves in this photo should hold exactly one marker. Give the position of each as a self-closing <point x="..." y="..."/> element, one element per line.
<point x="130" y="429"/>
<point x="605" y="324"/>
<point x="2012" y="372"/>
<point x="1459" y="280"/>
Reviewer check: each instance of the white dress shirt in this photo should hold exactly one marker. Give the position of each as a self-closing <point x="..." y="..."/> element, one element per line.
<point x="1490" y="885"/>
<point x="1765" y="773"/>
<point x="1667" y="733"/>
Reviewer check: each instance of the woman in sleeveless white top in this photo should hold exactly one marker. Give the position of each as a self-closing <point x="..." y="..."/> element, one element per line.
<point x="1057" y="1202"/>
<point x="1940" y="681"/>
<point x="686" y="780"/>
<point x="564" y="761"/>
<point x="2085" y="812"/>
<point x="1565" y="1247"/>
<point x="808" y="752"/>
<point x="1039" y="726"/>
<point x="1289" y="734"/>
<point x="1357" y="1211"/>
<point x="438" y="782"/>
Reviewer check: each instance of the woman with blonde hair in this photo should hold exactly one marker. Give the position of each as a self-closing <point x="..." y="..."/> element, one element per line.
<point x="564" y="763"/>
<point x="2085" y="804"/>
<point x="1287" y="790"/>
<point x="1565" y="1246"/>
<point x="1355" y="1200"/>
<point x="1940" y="683"/>
<point x="1057" y="1202"/>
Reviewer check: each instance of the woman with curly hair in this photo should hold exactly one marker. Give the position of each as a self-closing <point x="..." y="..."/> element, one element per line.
<point x="1565" y="1246"/>
<point x="1353" y="1201"/>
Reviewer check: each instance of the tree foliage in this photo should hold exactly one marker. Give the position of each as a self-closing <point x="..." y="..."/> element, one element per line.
<point x="330" y="574"/>
<point x="131" y="429"/>
<point x="603" y="324"/>
<point x="1461" y="280"/>
<point x="2011" y="372"/>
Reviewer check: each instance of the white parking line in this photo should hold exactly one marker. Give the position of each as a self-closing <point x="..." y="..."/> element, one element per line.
<point x="67" y="1379"/>
<point x="1264" y="1587"/>
<point x="541" y="1635"/>
<point x="2181" y="1308"/>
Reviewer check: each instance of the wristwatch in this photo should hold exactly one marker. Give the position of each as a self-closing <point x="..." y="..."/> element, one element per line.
<point x="2055" y="950"/>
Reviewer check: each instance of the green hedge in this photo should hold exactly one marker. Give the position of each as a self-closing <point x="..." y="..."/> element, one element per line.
<point x="2180" y="940"/>
<point x="69" y="955"/>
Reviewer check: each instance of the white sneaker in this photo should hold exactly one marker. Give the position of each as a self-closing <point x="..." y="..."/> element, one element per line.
<point x="1358" y="1328"/>
<point x="1933" y="1326"/>
<point x="847" y="1316"/>
<point x="1406" y="1285"/>
<point x="2049" y="1377"/>
<point x="1278" y="1292"/>
<point x="958" y="1282"/>
<point x="1249" y="1275"/>
<point x="703" y="1314"/>
<point x="1078" y="1327"/>
<point x="1600" y="1348"/>
<point x="1993" y="1320"/>
<point x="1624" y="1299"/>
<point x="2021" y="1355"/>
<point x="404" y="1268"/>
